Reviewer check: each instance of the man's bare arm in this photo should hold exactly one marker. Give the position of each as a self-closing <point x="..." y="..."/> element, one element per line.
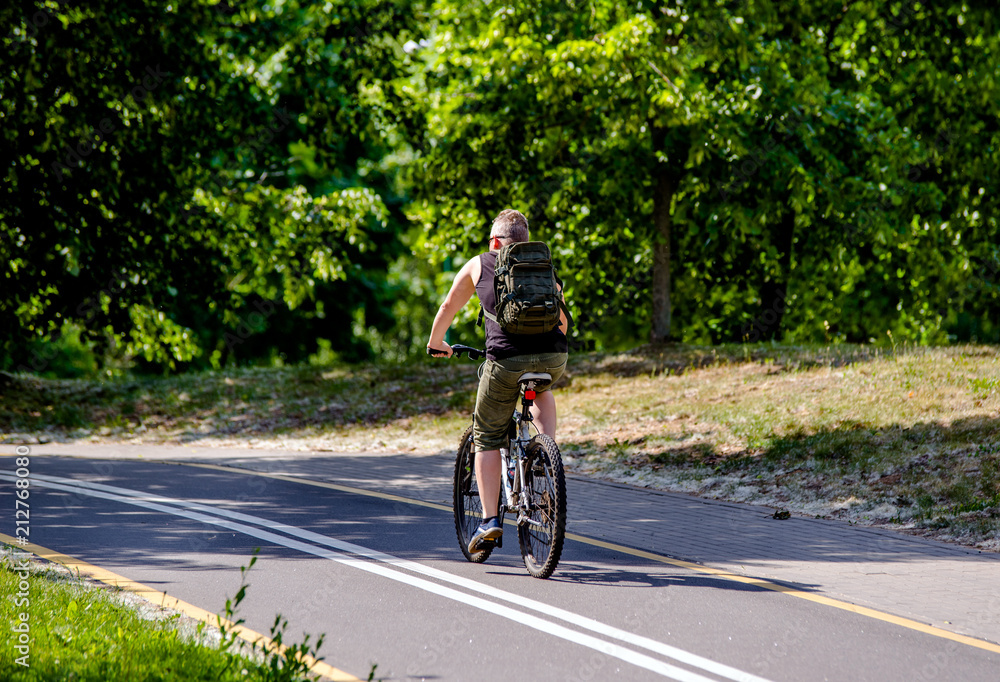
<point x="461" y="292"/>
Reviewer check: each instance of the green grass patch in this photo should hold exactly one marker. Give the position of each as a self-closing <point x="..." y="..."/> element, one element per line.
<point x="983" y="387"/>
<point x="81" y="632"/>
<point x="852" y="424"/>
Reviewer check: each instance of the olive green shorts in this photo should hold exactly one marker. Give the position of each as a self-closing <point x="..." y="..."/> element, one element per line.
<point x="498" y="394"/>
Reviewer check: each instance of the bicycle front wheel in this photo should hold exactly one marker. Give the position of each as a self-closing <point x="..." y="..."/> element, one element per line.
<point x="542" y="533"/>
<point x="465" y="499"/>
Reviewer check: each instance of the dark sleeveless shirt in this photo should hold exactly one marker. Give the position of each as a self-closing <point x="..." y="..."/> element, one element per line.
<point x="500" y="344"/>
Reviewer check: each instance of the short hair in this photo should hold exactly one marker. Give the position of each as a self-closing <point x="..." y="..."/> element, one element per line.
<point x="510" y="224"/>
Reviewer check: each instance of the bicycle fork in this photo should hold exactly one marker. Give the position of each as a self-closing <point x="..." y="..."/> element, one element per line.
<point x="513" y="474"/>
<point x="514" y="463"/>
<point x="512" y="466"/>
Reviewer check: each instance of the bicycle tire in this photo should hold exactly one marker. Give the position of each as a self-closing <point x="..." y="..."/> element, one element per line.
<point x="545" y="482"/>
<point x="465" y="499"/>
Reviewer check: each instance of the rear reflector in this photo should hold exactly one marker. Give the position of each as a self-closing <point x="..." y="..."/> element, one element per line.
<point x="530" y="395"/>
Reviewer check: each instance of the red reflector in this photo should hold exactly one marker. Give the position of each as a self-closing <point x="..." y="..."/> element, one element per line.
<point x="530" y="395"/>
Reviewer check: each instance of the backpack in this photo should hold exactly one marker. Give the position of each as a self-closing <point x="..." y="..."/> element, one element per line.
<point x="527" y="298"/>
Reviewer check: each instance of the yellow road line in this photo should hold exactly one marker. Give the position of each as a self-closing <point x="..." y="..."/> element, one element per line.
<point x="718" y="573"/>
<point x="699" y="568"/>
<point x="794" y="592"/>
<point x="165" y="600"/>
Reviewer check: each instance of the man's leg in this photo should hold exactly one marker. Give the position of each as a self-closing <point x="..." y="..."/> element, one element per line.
<point x="488" y="478"/>
<point x="495" y="403"/>
<point x="543" y="411"/>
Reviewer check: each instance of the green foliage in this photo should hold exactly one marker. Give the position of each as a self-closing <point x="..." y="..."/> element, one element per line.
<point x="280" y="662"/>
<point x="266" y="176"/>
<point x="65" y="355"/>
<point x="79" y="633"/>
<point x="824" y="170"/>
<point x="162" y="184"/>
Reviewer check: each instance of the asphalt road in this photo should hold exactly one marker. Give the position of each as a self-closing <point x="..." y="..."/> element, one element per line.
<point x="385" y="581"/>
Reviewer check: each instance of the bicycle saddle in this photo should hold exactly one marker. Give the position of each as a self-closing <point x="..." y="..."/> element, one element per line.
<point x="534" y="376"/>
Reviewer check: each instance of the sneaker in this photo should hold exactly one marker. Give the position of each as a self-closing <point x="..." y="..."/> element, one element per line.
<point x="488" y="531"/>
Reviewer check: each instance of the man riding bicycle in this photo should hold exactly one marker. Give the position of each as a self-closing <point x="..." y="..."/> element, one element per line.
<point x="508" y="356"/>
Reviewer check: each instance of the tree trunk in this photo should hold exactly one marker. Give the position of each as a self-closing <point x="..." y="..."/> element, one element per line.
<point x="773" y="292"/>
<point x="665" y="188"/>
<point x="668" y="177"/>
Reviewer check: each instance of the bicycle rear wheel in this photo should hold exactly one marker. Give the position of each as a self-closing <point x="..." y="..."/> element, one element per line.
<point x="541" y="535"/>
<point x="465" y="499"/>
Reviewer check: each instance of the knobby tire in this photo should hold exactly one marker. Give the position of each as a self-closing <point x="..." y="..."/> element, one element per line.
<point x="465" y="500"/>
<point x="546" y="481"/>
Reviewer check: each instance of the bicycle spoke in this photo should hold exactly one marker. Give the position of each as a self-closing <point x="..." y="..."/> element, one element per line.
<point x="541" y="533"/>
<point x="467" y="504"/>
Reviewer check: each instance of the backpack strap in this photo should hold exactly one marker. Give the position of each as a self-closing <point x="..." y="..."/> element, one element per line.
<point x="569" y="318"/>
<point x="562" y="305"/>
<point x="482" y="312"/>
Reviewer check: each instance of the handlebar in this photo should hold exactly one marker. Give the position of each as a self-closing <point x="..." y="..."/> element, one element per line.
<point x="457" y="350"/>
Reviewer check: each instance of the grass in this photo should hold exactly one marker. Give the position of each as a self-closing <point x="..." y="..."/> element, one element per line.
<point x="82" y="633"/>
<point x="82" y="630"/>
<point x="851" y="432"/>
<point x="906" y="437"/>
<point x="243" y="404"/>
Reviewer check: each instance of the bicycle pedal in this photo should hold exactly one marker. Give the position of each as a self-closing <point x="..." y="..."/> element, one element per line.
<point x="487" y="543"/>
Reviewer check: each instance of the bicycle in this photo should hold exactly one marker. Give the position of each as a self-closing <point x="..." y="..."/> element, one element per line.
<point x="533" y="486"/>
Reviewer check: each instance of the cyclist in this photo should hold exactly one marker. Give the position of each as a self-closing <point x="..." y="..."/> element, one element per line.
<point x="507" y="357"/>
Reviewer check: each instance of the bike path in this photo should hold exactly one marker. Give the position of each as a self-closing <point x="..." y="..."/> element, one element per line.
<point x="945" y="586"/>
<point x="425" y="613"/>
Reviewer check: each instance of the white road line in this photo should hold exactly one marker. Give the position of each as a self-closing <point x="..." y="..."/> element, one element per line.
<point x="595" y="626"/>
<point x="661" y="648"/>
<point x="547" y="627"/>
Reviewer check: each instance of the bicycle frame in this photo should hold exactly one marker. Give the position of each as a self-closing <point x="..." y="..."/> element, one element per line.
<point x="515" y="498"/>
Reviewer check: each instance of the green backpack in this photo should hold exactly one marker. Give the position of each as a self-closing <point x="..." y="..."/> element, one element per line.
<point x="527" y="297"/>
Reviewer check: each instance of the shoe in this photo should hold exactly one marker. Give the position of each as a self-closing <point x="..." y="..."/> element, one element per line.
<point x="488" y="531"/>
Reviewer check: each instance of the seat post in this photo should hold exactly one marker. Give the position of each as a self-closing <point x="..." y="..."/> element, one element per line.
<point x="526" y="403"/>
<point x="527" y="382"/>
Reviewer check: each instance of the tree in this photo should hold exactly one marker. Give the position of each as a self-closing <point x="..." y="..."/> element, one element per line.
<point x="165" y="184"/>
<point x="539" y="106"/>
<point x="753" y="155"/>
